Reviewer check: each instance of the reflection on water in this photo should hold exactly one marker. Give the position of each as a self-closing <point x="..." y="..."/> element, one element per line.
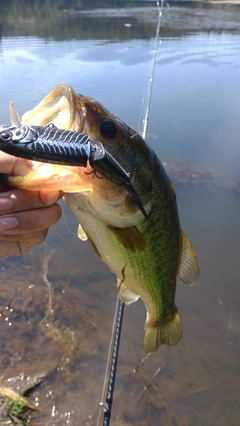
<point x="194" y="128"/>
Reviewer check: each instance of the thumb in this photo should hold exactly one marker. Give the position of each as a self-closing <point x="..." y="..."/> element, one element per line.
<point x="50" y="197"/>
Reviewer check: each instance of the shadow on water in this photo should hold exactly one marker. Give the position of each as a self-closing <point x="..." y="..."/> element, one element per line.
<point x="56" y="308"/>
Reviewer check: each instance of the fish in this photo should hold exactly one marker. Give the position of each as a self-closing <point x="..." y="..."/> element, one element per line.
<point x="145" y="253"/>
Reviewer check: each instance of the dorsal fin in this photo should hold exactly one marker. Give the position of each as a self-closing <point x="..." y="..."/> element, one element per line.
<point x="188" y="270"/>
<point x="14" y="117"/>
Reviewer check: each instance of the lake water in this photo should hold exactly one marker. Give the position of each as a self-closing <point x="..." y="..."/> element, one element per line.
<point x="63" y="332"/>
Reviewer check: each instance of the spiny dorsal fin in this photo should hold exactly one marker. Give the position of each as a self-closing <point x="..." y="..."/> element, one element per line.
<point x="189" y="269"/>
<point x="131" y="238"/>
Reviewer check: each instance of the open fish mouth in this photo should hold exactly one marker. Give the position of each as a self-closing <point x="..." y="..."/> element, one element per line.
<point x="52" y="133"/>
<point x="60" y="108"/>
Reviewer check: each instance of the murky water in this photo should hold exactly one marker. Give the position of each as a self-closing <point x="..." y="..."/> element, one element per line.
<point x="63" y="331"/>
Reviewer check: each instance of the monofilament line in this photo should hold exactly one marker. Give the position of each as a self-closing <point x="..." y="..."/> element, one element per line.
<point x="149" y="91"/>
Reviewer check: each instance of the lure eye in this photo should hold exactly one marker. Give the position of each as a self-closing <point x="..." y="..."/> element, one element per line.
<point x="108" y="129"/>
<point x="5" y="136"/>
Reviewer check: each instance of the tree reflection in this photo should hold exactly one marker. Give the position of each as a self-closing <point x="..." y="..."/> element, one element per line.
<point x="62" y="20"/>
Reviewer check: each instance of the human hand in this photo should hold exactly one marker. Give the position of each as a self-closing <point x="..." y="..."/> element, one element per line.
<point x="24" y="216"/>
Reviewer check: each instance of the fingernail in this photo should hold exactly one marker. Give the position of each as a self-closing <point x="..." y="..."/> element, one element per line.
<point x="8" y="223"/>
<point x="5" y="204"/>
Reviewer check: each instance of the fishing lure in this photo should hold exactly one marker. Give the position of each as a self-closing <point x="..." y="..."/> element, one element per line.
<point x="56" y="146"/>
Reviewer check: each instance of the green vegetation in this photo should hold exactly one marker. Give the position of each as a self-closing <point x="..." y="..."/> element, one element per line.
<point x="14" y="408"/>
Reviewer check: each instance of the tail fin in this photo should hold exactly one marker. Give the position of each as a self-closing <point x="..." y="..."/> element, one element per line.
<point x="169" y="333"/>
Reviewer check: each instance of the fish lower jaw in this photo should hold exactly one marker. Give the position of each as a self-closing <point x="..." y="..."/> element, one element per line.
<point x="53" y="177"/>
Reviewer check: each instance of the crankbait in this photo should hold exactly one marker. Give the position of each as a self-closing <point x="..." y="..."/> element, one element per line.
<point x="56" y="146"/>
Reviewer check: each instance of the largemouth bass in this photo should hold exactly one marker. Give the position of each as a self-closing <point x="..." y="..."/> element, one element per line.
<point x="145" y="254"/>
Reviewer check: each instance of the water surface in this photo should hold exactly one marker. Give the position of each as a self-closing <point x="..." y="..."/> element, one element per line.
<point x="194" y="127"/>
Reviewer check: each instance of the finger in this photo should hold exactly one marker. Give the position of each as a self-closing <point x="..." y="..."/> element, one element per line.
<point x="8" y="248"/>
<point x="14" y="165"/>
<point x="50" y="197"/>
<point x="16" y="200"/>
<point x="30" y="238"/>
<point x="30" y="221"/>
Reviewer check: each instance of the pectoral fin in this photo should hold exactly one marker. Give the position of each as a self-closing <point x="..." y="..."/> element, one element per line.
<point x="131" y="238"/>
<point x="188" y="270"/>
<point x="81" y="233"/>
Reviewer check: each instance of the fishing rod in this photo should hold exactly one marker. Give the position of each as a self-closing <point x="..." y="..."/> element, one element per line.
<point x="119" y="308"/>
<point x="113" y="370"/>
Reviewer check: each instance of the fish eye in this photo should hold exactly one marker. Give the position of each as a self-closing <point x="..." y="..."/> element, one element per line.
<point x="5" y="136"/>
<point x="108" y="129"/>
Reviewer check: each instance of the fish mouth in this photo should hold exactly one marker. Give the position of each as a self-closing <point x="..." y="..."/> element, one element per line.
<point x="60" y="107"/>
<point x="66" y="110"/>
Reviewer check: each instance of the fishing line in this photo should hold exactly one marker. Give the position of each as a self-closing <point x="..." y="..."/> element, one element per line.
<point x="62" y="204"/>
<point x="149" y="91"/>
<point x="112" y="358"/>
